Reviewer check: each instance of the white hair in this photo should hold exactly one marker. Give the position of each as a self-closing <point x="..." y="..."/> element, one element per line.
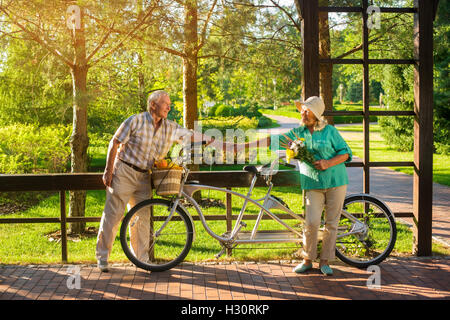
<point x="155" y="96"/>
<point x="320" y="124"/>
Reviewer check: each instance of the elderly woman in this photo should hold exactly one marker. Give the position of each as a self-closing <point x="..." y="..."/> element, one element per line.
<point x="324" y="181"/>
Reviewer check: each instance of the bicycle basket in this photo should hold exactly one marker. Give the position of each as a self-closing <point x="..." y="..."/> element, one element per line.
<point x="167" y="181"/>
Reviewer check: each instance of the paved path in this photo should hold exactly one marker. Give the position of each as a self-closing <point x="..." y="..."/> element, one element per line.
<point x="408" y="278"/>
<point x="394" y="188"/>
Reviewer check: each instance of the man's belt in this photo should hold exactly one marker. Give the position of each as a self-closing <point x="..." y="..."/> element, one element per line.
<point x="134" y="167"/>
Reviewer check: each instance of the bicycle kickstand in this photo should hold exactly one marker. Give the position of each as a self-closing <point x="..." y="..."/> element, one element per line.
<point x="227" y="245"/>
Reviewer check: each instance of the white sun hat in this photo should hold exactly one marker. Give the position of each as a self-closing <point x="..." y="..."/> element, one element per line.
<point x="314" y="103"/>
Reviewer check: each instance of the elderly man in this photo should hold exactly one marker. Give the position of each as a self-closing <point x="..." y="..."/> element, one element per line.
<point x="142" y="138"/>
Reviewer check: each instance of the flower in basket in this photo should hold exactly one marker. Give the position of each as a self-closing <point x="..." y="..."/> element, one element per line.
<point x="296" y="149"/>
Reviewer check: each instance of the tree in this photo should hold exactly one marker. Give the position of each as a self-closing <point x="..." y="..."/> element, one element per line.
<point x="34" y="87"/>
<point x="36" y="21"/>
<point x="442" y="79"/>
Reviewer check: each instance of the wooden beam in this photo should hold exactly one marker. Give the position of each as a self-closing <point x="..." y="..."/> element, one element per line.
<point x="51" y="182"/>
<point x="392" y="113"/>
<point x="361" y="9"/>
<point x="423" y="127"/>
<point x="391" y="164"/>
<point x="93" y="181"/>
<point x="369" y="61"/>
<point x="310" y="57"/>
<point x="62" y="205"/>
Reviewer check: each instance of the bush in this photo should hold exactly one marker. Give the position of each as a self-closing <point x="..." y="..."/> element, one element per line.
<point x="442" y="148"/>
<point x="28" y="149"/>
<point x="224" y="111"/>
<point x="264" y="122"/>
<point x="212" y="110"/>
<point x="224" y="123"/>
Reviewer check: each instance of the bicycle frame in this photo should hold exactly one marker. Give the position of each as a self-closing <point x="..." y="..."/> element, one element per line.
<point x="269" y="202"/>
<point x="190" y="189"/>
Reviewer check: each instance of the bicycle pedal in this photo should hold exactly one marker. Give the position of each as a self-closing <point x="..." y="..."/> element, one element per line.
<point x="221" y="252"/>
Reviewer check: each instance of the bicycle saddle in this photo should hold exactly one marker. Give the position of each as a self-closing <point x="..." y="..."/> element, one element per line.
<point x="252" y="169"/>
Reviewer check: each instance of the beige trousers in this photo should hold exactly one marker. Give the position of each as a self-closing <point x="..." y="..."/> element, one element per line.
<point x="316" y="201"/>
<point x="128" y="187"/>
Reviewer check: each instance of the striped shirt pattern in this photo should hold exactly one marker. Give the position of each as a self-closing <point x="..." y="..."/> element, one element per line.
<point x="141" y="145"/>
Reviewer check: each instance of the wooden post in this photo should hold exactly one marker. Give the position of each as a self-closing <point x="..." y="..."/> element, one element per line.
<point x="229" y="218"/>
<point x="423" y="126"/>
<point x="309" y="13"/>
<point x="366" y="98"/>
<point x="62" y="204"/>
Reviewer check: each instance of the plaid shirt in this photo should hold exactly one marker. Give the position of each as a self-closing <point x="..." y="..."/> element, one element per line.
<point x="141" y="145"/>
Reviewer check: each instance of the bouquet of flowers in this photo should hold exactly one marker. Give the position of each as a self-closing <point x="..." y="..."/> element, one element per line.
<point x="296" y="149"/>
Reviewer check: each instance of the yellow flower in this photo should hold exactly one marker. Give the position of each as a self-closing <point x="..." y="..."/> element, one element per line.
<point x="290" y="154"/>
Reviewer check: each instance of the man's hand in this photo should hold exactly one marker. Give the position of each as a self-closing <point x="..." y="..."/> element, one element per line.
<point x="110" y="158"/>
<point x="107" y="178"/>
<point x="322" y="164"/>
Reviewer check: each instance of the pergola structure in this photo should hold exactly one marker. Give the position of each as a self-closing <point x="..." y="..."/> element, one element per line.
<point x="424" y="13"/>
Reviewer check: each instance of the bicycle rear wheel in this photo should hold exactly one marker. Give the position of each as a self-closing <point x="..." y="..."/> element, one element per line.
<point x="169" y="241"/>
<point x="370" y="240"/>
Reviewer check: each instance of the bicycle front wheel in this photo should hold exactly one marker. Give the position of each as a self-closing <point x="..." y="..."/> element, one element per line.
<point x="369" y="240"/>
<point x="151" y="240"/>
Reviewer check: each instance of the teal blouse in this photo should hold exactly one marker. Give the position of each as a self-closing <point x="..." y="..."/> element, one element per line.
<point x="324" y="144"/>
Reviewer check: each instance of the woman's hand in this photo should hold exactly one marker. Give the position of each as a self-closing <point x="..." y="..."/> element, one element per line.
<point x="322" y="164"/>
<point x="325" y="164"/>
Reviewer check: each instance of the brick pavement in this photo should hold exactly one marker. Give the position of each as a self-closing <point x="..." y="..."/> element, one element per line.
<point x="401" y="278"/>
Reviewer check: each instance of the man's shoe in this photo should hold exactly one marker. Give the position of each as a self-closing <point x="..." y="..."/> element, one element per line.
<point x="103" y="266"/>
<point x="326" y="270"/>
<point x="302" y="268"/>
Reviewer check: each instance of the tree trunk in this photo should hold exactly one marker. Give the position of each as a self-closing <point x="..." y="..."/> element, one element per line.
<point x="190" y="63"/>
<point x="326" y="69"/>
<point x="190" y="111"/>
<point x="141" y="85"/>
<point x="79" y="140"/>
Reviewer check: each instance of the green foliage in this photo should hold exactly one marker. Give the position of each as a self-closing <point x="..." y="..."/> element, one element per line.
<point x="223" y="123"/>
<point x="249" y="110"/>
<point x="399" y="86"/>
<point x="28" y="149"/>
<point x="34" y="88"/>
<point x="224" y="111"/>
<point x="354" y="92"/>
<point x="442" y="79"/>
